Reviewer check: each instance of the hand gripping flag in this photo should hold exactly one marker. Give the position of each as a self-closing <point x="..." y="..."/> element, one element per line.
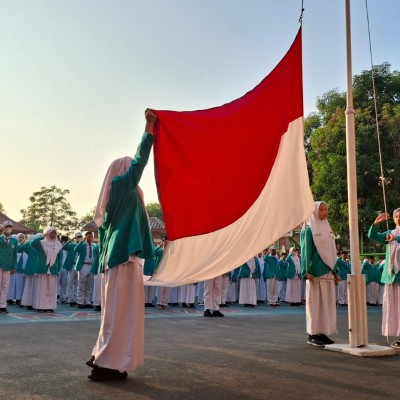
<point x="232" y="179"/>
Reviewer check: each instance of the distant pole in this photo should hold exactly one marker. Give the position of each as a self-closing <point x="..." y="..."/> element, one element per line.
<point x="358" y="333"/>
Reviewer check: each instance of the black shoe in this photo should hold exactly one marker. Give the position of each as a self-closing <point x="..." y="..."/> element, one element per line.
<point x="87" y="306"/>
<point x="149" y="305"/>
<point x="90" y="362"/>
<point x="29" y="308"/>
<point x="323" y="338"/>
<point x="192" y="305"/>
<point x="97" y="308"/>
<point x="3" y="310"/>
<point x="208" y="313"/>
<point x="10" y="301"/>
<point x="72" y="304"/>
<point x="314" y="340"/>
<point x="396" y="345"/>
<point x="18" y="302"/>
<point x="81" y="306"/>
<point x="184" y="305"/>
<point x="217" y="313"/>
<point x="106" y="374"/>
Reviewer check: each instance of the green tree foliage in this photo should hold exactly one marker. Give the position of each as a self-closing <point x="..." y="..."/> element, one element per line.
<point x="49" y="207"/>
<point x="88" y="217"/>
<point x="2" y="208"/>
<point x="154" y="210"/>
<point x="325" y="142"/>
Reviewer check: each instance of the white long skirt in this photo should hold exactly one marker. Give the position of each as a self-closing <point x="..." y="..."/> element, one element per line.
<point x="293" y="290"/>
<point x="247" y="291"/>
<point x="45" y="297"/>
<point x="120" y="344"/>
<point x="321" y="305"/>
<point x="29" y="291"/>
<point x="391" y="310"/>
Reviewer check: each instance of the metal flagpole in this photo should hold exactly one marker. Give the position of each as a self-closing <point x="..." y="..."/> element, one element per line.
<point x="357" y="308"/>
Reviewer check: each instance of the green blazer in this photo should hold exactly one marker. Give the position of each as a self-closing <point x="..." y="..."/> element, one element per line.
<point x="80" y="250"/>
<point x="41" y="267"/>
<point x="32" y="257"/>
<point x="342" y="269"/>
<point x="270" y="267"/>
<point x="291" y="268"/>
<point x="8" y="253"/>
<point x="311" y="261"/>
<point x="94" y="269"/>
<point x="387" y="276"/>
<point x="125" y="230"/>
<point x="70" y="259"/>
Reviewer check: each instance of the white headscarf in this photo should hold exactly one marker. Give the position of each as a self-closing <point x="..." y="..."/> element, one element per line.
<point x="323" y="237"/>
<point x="117" y="168"/>
<point x="51" y="247"/>
<point x="295" y="258"/>
<point x="251" y="264"/>
<point x="394" y="248"/>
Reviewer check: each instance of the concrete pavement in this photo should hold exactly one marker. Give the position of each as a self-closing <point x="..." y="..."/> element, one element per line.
<point x="249" y="354"/>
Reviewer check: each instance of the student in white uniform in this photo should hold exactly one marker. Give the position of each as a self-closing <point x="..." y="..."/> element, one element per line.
<point x="17" y="281"/>
<point x="390" y="275"/>
<point x="293" y="275"/>
<point x="47" y="268"/>
<point x="8" y="262"/>
<point x="318" y="251"/>
<point x="212" y="297"/>
<point x="85" y="252"/>
<point x="124" y="241"/>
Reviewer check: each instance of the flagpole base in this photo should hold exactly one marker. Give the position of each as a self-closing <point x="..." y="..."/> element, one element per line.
<point x="370" y="350"/>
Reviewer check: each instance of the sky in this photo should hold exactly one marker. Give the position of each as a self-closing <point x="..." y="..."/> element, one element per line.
<point x="77" y="75"/>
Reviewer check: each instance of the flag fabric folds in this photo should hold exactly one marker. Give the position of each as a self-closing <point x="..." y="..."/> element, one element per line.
<point x="232" y="179"/>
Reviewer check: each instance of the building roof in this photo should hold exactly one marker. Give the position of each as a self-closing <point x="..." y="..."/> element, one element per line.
<point x="155" y="225"/>
<point x="17" y="227"/>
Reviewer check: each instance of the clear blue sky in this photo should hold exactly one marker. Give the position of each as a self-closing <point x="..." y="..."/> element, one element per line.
<point x="77" y="75"/>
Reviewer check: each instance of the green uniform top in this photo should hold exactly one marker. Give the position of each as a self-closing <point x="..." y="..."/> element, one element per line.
<point x="8" y="253"/>
<point x="32" y="257"/>
<point x="387" y="276"/>
<point x="282" y="266"/>
<point x="371" y="272"/>
<point x="81" y="249"/>
<point x="270" y="267"/>
<point x="94" y="269"/>
<point x="311" y="261"/>
<point x="125" y="230"/>
<point x="41" y="266"/>
<point x="342" y="269"/>
<point x="71" y="257"/>
<point x="291" y="268"/>
<point x="235" y="274"/>
<point x="245" y="271"/>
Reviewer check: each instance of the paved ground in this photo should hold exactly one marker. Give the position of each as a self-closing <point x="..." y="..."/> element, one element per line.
<point x="249" y="354"/>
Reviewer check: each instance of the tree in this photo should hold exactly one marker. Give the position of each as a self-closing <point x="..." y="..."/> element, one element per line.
<point x="88" y="217"/>
<point x="325" y="141"/>
<point x="154" y="210"/>
<point x="2" y="208"/>
<point x="49" y="207"/>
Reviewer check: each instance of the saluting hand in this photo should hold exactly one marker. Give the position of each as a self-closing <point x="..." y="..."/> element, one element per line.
<point x="381" y="218"/>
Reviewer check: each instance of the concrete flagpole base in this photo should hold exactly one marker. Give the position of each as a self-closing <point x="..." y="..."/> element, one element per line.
<point x="371" y="350"/>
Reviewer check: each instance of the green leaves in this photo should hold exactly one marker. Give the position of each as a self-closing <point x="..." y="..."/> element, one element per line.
<point x="325" y="143"/>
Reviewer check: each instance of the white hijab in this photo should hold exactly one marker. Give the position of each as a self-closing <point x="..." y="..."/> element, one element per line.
<point x="394" y="248"/>
<point x="323" y="237"/>
<point x="251" y="264"/>
<point x="51" y="247"/>
<point x="295" y="258"/>
<point x="117" y="168"/>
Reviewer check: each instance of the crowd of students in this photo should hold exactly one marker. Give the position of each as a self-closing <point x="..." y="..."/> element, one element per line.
<point x="268" y="278"/>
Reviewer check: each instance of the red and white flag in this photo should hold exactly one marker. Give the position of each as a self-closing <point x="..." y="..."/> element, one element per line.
<point x="232" y="179"/>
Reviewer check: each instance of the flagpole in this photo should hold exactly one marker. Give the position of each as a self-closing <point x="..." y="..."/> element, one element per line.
<point x="358" y="333"/>
<point x="357" y="307"/>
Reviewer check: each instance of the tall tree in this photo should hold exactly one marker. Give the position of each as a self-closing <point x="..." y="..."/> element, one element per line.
<point x="88" y="217"/>
<point x="49" y="207"/>
<point x="154" y="210"/>
<point x="2" y="208"/>
<point x="325" y="136"/>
